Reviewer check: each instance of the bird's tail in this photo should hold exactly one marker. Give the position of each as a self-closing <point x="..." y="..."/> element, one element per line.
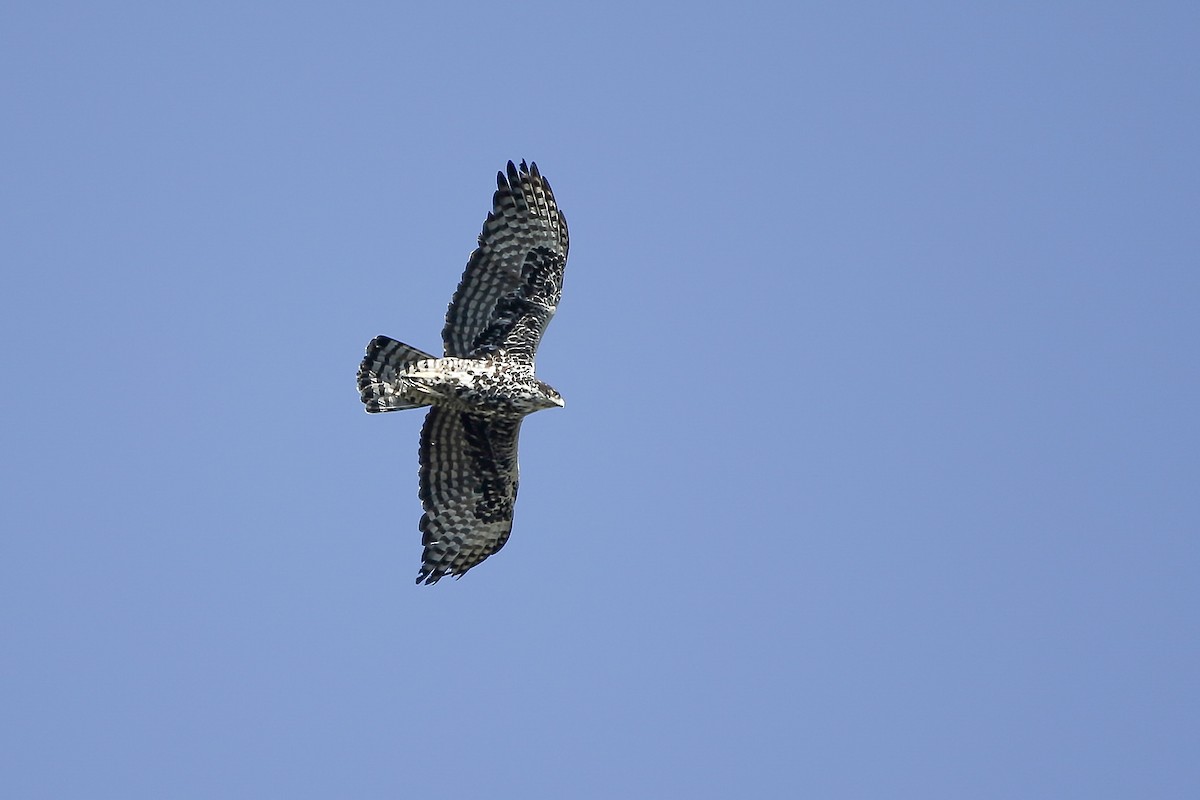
<point x="379" y="382"/>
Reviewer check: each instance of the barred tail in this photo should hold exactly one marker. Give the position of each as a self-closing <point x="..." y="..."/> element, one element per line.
<point x="379" y="383"/>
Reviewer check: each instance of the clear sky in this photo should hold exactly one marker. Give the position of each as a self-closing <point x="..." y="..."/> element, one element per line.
<point x="878" y="474"/>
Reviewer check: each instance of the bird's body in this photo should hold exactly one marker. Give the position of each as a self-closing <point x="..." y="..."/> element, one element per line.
<point x="485" y="385"/>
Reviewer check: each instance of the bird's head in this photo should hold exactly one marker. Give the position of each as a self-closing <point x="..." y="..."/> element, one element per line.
<point x="553" y="398"/>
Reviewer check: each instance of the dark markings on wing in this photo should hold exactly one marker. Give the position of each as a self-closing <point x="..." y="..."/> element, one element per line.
<point x="515" y="274"/>
<point x="468" y="488"/>
<point x="521" y="316"/>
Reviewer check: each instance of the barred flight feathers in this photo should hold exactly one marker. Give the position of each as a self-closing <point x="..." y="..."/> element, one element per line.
<point x="524" y="219"/>
<point x="379" y="386"/>
<point x="468" y="489"/>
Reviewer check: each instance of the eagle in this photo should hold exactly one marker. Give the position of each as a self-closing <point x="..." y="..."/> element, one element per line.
<point x="484" y="385"/>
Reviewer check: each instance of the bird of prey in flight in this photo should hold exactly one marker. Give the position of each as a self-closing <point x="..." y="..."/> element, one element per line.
<point x="484" y="386"/>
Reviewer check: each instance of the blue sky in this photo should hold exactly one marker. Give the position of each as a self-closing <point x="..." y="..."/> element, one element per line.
<point x="878" y="471"/>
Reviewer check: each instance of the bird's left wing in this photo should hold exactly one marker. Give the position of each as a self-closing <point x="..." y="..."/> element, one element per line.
<point x="468" y="488"/>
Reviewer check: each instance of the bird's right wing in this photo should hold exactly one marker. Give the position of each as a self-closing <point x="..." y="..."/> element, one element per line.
<point x="525" y="225"/>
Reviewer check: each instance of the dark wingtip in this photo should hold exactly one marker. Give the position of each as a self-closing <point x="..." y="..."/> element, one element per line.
<point x="429" y="575"/>
<point x="513" y="177"/>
